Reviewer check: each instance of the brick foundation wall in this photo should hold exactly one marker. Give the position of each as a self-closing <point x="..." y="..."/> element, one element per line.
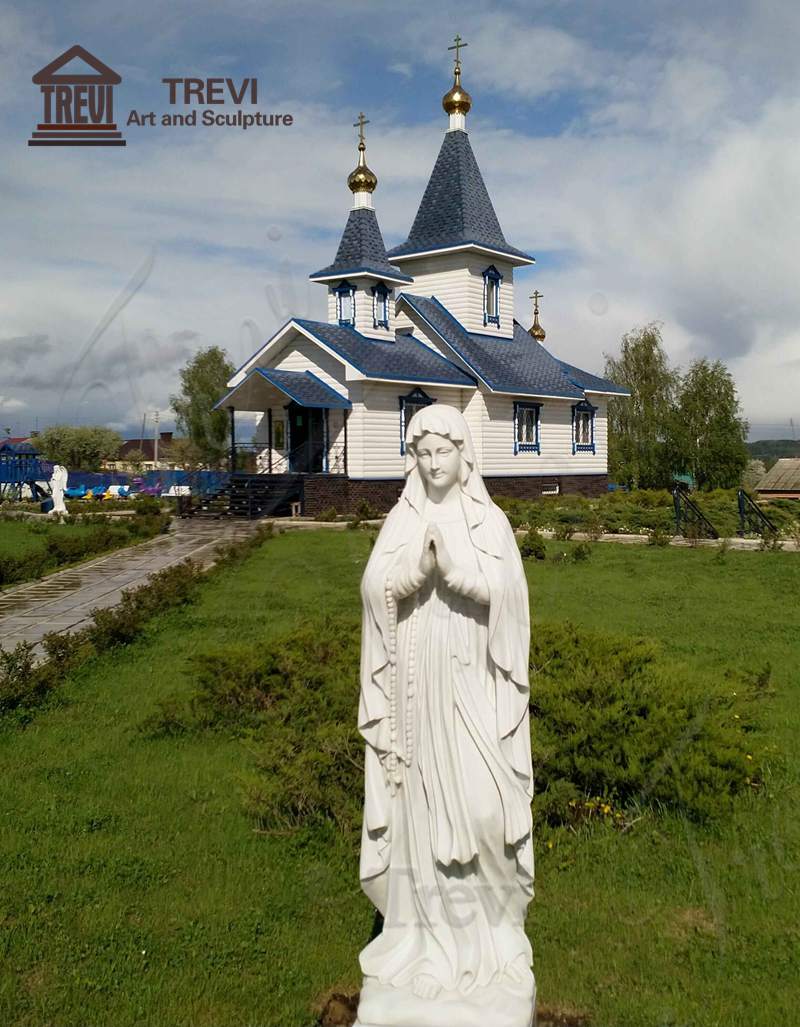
<point x="321" y="492"/>
<point x="531" y="488"/>
<point x="344" y="494"/>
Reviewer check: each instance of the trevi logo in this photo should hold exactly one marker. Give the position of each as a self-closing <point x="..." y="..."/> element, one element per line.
<point x="78" y="105"/>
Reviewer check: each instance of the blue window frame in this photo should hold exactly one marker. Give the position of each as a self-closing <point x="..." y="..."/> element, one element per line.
<point x="345" y="294"/>
<point x="380" y="306"/>
<point x="415" y="400"/>
<point x="527" y="438"/>
<point x="583" y="427"/>
<point x="491" y="296"/>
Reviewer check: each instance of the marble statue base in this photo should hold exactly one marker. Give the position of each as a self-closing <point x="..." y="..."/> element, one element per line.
<point x="501" y="1005"/>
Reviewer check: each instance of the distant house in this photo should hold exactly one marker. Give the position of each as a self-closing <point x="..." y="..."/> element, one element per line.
<point x="782" y="481"/>
<point x="146" y="447"/>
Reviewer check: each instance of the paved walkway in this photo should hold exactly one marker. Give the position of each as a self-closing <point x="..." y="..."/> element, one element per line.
<point x="64" y="601"/>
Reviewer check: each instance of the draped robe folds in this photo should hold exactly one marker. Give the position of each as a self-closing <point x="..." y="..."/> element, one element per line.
<point x="448" y="857"/>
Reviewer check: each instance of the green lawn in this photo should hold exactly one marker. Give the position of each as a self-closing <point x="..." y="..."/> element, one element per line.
<point x="17" y="537"/>
<point x="135" y="890"/>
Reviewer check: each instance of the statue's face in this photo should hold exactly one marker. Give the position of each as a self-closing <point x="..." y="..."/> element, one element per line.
<point x="439" y="461"/>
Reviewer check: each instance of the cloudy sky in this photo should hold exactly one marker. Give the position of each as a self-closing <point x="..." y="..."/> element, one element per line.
<point x="648" y="155"/>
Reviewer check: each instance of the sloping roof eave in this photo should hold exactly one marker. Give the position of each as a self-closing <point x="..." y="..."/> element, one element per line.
<point x="404" y="252"/>
<point x="319" y="395"/>
<point x="331" y="273"/>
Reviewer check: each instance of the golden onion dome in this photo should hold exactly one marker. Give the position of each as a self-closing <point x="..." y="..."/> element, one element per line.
<point x="457" y="100"/>
<point x="536" y="329"/>
<point x="361" y="179"/>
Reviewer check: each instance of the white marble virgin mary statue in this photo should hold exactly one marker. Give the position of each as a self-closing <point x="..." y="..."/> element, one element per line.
<point x="446" y="852"/>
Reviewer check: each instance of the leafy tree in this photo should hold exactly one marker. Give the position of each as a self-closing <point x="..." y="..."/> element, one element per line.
<point x="203" y="382"/>
<point x="709" y="432"/>
<point x="79" y="448"/>
<point x="183" y="453"/>
<point x="639" y="428"/>
<point x="135" y="457"/>
<point x="753" y="473"/>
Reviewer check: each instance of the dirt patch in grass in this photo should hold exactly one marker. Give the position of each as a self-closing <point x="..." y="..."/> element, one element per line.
<point x="689" y="922"/>
<point x="336" y="1009"/>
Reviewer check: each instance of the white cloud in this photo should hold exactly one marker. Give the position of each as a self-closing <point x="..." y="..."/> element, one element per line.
<point x="667" y="183"/>
<point x="8" y="403"/>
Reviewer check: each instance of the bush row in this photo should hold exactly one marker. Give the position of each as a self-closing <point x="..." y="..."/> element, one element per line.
<point x="613" y="721"/>
<point x="27" y="682"/>
<point x="63" y="544"/>
<point x="638" y="512"/>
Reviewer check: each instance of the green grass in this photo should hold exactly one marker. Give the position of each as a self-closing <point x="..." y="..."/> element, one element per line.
<point x="17" y="537"/>
<point x="135" y="891"/>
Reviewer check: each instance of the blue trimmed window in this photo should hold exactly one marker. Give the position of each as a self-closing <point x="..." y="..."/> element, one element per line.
<point x="527" y="428"/>
<point x="415" y="400"/>
<point x="491" y="296"/>
<point x="583" y="427"/>
<point x="345" y="294"/>
<point x="380" y="306"/>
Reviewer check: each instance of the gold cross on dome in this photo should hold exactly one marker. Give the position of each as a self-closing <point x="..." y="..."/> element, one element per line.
<point x="536" y="296"/>
<point x="459" y="46"/>
<point x="362" y="121"/>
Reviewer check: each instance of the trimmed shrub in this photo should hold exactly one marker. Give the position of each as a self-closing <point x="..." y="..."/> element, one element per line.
<point x="642" y="511"/>
<point x="613" y="718"/>
<point x="581" y="552"/>
<point x="614" y="724"/>
<point x="365" y="511"/>
<point x="532" y="546"/>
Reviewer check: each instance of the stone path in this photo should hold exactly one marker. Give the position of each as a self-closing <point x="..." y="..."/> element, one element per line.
<point x="787" y="545"/>
<point x="64" y="601"/>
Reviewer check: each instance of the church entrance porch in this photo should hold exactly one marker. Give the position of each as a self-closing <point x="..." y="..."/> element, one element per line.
<point x="301" y="425"/>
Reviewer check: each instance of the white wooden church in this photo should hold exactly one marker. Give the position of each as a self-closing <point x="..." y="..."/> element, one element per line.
<point x="430" y="321"/>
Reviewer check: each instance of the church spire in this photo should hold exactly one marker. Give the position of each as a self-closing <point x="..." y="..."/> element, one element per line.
<point x="457" y="101"/>
<point x="536" y="329"/>
<point x="362" y="181"/>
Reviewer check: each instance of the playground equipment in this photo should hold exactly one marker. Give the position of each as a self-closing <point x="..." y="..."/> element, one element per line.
<point x="22" y="472"/>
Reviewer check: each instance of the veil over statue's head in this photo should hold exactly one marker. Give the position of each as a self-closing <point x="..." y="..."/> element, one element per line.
<point x="440" y="419"/>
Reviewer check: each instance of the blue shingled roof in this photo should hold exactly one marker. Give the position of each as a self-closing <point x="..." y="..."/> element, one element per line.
<point x="455" y="208"/>
<point x="518" y="365"/>
<point x="304" y="387"/>
<point x="591" y="382"/>
<point x="403" y="358"/>
<point x="361" y="250"/>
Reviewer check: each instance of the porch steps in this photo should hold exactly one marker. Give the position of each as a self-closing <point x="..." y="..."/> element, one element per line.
<point x="263" y="495"/>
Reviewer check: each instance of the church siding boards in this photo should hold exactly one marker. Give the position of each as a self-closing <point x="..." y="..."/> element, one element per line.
<point x="555" y="440"/>
<point x="456" y="280"/>
<point x="300" y="354"/>
<point x="380" y="409"/>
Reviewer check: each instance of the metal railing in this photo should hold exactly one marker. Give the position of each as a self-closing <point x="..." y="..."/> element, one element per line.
<point x="690" y="521"/>
<point x="307" y="458"/>
<point x="752" y="518"/>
